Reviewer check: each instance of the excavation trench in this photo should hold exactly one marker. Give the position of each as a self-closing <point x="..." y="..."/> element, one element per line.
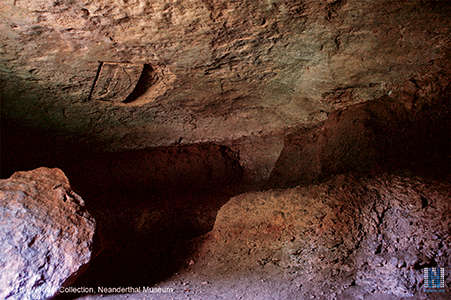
<point x="149" y="202"/>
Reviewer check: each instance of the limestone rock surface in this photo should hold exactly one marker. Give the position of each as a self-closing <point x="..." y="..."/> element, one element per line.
<point x="212" y="70"/>
<point x="46" y="234"/>
<point x="267" y="79"/>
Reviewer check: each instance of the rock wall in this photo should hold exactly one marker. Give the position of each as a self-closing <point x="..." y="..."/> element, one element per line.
<point x="347" y="238"/>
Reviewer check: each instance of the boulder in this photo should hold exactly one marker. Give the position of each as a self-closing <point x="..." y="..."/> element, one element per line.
<point x="46" y="234"/>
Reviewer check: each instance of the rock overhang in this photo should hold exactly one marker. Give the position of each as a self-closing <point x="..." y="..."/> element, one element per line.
<point x="227" y="70"/>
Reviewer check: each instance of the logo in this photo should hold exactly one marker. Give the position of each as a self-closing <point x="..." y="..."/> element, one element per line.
<point x="434" y="280"/>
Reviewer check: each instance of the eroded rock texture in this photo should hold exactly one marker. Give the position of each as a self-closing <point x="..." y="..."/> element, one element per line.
<point x="171" y="107"/>
<point x="46" y="234"/>
<point x="348" y="238"/>
<point x="216" y="70"/>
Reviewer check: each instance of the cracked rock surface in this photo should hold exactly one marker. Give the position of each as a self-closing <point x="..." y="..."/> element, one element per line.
<point x="46" y="234"/>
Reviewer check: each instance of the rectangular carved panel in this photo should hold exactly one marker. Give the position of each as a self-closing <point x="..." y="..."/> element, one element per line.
<point x="116" y="81"/>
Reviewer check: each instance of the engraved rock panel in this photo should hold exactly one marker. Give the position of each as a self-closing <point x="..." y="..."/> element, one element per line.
<point x="116" y="81"/>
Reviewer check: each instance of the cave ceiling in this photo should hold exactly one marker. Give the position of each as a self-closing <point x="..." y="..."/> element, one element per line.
<point x="137" y="74"/>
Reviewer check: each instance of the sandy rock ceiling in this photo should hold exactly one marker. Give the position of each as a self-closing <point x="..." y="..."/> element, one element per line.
<point x="210" y="70"/>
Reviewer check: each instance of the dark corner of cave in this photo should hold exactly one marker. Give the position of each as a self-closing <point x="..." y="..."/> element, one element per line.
<point x="279" y="149"/>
